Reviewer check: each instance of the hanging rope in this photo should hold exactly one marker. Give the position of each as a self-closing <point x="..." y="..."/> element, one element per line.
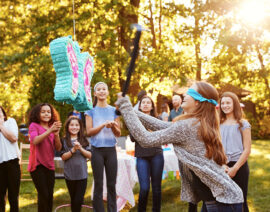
<point x="73" y="20"/>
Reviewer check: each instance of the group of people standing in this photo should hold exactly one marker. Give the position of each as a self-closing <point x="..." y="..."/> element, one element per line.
<point x="102" y="124"/>
<point x="212" y="150"/>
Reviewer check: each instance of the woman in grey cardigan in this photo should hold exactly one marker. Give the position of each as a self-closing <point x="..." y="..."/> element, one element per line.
<point x="197" y="144"/>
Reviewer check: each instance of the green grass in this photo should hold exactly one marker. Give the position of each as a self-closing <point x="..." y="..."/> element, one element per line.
<point x="258" y="195"/>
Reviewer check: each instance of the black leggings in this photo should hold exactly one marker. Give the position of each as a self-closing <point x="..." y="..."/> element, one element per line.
<point x="104" y="157"/>
<point x="43" y="179"/>
<point x="10" y="175"/>
<point x="241" y="179"/>
<point x="76" y="189"/>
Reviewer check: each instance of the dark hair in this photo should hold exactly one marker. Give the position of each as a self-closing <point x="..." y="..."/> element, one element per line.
<point x="141" y="94"/>
<point x="34" y="115"/>
<point x="95" y="101"/>
<point x="237" y="111"/>
<point x="81" y="138"/>
<point x="164" y="107"/>
<point x="153" y="111"/>
<point x="5" y="115"/>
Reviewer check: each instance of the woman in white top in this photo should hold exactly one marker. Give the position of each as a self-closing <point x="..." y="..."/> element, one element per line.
<point x="9" y="162"/>
<point x="236" y="140"/>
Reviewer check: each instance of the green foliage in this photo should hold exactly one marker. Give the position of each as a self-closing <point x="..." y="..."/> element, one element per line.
<point x="186" y="40"/>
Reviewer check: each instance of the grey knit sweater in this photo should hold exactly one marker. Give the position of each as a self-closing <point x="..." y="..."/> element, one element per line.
<point x="189" y="149"/>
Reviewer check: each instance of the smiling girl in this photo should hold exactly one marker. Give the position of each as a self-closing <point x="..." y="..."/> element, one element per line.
<point x="44" y="127"/>
<point x="75" y="152"/>
<point x="150" y="163"/>
<point x="103" y="125"/>
<point x="236" y="140"/>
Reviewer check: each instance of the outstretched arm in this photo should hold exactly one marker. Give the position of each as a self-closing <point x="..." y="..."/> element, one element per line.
<point x="177" y="133"/>
<point x="151" y="122"/>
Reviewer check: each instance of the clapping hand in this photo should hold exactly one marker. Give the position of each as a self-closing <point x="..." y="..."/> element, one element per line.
<point x="56" y="126"/>
<point x="77" y="145"/>
<point x="110" y="124"/>
<point x="114" y="124"/>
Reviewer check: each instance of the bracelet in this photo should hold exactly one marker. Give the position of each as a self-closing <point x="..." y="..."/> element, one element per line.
<point x="71" y="152"/>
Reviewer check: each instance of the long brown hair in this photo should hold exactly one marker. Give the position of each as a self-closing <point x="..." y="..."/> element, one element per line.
<point x="209" y="131"/>
<point x="153" y="111"/>
<point x="237" y="111"/>
<point x="81" y="138"/>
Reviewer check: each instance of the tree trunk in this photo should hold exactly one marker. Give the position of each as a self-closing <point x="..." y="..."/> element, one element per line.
<point x="152" y="26"/>
<point x="263" y="71"/>
<point x="264" y="74"/>
<point x="159" y="21"/>
<point x="125" y="19"/>
<point x="197" y="44"/>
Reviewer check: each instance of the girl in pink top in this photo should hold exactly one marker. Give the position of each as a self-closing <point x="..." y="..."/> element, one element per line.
<point x="44" y="127"/>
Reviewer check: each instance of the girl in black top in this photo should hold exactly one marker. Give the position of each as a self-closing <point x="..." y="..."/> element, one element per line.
<point x="150" y="164"/>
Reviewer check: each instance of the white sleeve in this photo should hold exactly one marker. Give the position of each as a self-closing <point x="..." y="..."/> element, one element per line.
<point x="12" y="126"/>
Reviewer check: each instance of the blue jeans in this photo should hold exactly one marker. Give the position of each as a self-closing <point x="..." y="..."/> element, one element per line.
<point x="213" y="206"/>
<point x="150" y="168"/>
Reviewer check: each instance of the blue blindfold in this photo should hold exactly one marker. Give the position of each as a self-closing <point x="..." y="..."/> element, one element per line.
<point x="195" y="95"/>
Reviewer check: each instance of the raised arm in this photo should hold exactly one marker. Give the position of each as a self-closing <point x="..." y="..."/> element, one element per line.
<point x="151" y="122"/>
<point x="177" y="133"/>
<point x="36" y="138"/>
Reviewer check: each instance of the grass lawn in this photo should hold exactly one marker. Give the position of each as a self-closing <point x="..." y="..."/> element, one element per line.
<point x="258" y="195"/>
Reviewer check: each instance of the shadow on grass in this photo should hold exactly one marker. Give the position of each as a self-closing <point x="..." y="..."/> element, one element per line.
<point x="170" y="197"/>
<point x="28" y="196"/>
